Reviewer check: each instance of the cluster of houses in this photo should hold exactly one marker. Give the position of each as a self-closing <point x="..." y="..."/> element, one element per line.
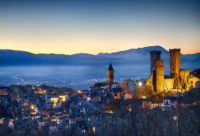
<point x="36" y="108"/>
<point x="25" y="107"/>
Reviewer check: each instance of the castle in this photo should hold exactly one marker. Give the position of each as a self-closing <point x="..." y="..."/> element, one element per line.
<point x="179" y="80"/>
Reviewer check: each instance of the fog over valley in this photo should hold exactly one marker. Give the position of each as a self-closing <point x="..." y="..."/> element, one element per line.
<point x="80" y="71"/>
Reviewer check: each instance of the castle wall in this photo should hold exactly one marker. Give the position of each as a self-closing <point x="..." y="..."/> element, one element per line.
<point x="168" y="84"/>
<point x="149" y="82"/>
<point x="192" y="82"/>
<point x="183" y="74"/>
<point x="183" y="77"/>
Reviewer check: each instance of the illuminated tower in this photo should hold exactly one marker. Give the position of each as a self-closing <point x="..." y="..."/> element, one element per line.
<point x="110" y="73"/>
<point x="175" y="65"/>
<point x="174" y="62"/>
<point x="155" y="55"/>
<point x="159" y="76"/>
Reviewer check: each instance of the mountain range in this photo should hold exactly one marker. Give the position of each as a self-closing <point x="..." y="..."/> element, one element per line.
<point x="127" y="57"/>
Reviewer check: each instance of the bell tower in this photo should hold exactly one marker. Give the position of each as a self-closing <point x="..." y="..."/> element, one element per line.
<point x="110" y="73"/>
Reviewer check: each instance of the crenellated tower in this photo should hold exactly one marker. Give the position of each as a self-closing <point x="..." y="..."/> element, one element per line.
<point x="174" y="62"/>
<point x="175" y="66"/>
<point x="155" y="56"/>
<point x="159" y="76"/>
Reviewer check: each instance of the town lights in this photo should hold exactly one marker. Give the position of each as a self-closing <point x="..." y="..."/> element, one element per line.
<point x="139" y="83"/>
<point x="93" y="130"/>
<point x="174" y="118"/>
<point x="144" y="97"/>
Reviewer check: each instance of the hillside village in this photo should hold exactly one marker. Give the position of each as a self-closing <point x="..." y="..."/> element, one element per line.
<point x="169" y="102"/>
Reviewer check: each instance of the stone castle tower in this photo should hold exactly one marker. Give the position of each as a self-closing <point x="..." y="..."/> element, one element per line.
<point x="155" y="56"/>
<point x="179" y="80"/>
<point x="159" y="76"/>
<point x="110" y="73"/>
<point x="174" y="62"/>
<point x="175" y="65"/>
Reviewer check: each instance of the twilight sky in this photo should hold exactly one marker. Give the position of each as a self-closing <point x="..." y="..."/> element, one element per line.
<point x="93" y="26"/>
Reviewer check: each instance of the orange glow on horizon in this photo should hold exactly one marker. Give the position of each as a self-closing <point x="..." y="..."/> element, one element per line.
<point x="190" y="51"/>
<point x="71" y="52"/>
<point x="90" y="51"/>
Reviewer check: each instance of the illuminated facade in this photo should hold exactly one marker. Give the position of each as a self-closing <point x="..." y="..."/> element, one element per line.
<point x="57" y="101"/>
<point x="180" y="80"/>
<point x="159" y="76"/>
<point x="155" y="55"/>
<point x="175" y="66"/>
<point x="40" y="91"/>
<point x="174" y="62"/>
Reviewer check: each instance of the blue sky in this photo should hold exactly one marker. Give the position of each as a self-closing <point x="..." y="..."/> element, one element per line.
<point x="93" y="26"/>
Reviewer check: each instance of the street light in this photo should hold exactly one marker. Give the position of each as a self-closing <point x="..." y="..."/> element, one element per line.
<point x="140" y="83"/>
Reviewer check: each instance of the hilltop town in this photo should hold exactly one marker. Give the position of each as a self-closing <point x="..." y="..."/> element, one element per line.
<point x="126" y="108"/>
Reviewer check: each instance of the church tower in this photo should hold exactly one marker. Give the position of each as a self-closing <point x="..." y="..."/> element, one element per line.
<point x="110" y="73"/>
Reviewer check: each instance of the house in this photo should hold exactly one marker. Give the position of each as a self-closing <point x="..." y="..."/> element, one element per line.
<point x="170" y="101"/>
<point x="117" y="92"/>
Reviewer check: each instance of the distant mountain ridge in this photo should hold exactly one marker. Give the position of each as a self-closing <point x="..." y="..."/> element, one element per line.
<point x="138" y="50"/>
<point x="131" y="56"/>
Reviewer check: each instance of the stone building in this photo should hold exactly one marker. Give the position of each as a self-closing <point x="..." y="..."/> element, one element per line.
<point x="129" y="89"/>
<point x="159" y="76"/>
<point x="175" y="66"/>
<point x="155" y="55"/>
<point x="179" y="80"/>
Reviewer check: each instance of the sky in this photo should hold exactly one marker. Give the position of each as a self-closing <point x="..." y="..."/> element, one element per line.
<point x="94" y="26"/>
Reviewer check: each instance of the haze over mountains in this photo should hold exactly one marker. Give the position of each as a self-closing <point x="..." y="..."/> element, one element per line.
<point x="82" y="70"/>
<point x="127" y="57"/>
